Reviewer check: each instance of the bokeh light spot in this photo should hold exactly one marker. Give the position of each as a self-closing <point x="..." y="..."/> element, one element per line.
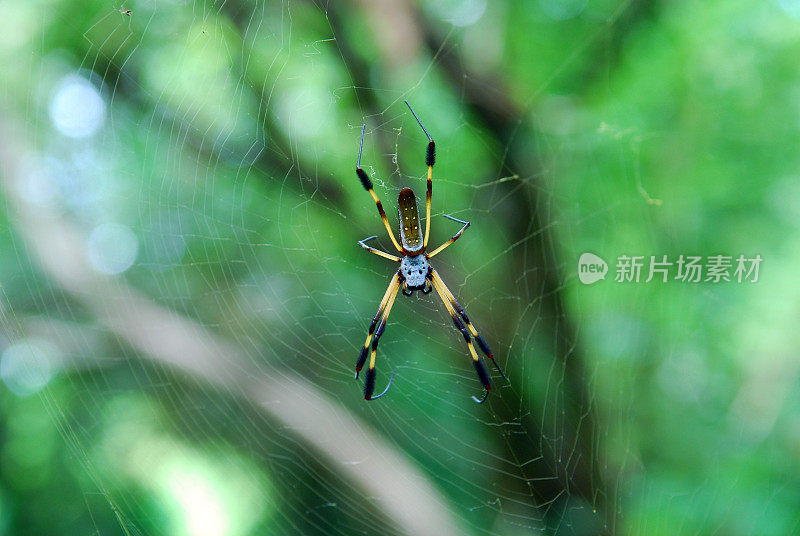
<point x="36" y="184"/>
<point x="460" y="12"/>
<point x="77" y="109"/>
<point x="202" y="507"/>
<point x="26" y="367"/>
<point x="112" y="248"/>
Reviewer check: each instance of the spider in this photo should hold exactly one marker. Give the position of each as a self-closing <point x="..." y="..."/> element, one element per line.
<point x="416" y="273"/>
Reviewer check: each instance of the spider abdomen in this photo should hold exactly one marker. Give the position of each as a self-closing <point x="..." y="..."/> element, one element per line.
<point x="415" y="270"/>
<point x="407" y="211"/>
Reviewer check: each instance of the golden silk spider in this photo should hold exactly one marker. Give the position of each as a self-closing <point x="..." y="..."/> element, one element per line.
<point x="415" y="273"/>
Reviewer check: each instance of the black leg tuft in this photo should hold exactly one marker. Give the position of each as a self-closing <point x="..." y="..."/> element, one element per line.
<point x="365" y="182"/>
<point x="483" y="346"/>
<point x="369" y="384"/>
<point x="483" y="374"/>
<point x="361" y="360"/>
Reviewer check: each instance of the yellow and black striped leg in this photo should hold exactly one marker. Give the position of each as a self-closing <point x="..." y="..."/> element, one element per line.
<point x="480" y="368"/>
<point x="455" y="236"/>
<point x="457" y="306"/>
<point x="430" y="159"/>
<point x="367" y="184"/>
<point x="377" y="252"/>
<point x="430" y="194"/>
<point x="390" y="290"/>
<point x="369" y="382"/>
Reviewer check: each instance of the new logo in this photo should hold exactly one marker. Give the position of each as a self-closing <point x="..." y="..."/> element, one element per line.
<point x="591" y="268"/>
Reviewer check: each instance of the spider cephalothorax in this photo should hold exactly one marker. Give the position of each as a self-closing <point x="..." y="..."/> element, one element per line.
<point x="415" y="273"/>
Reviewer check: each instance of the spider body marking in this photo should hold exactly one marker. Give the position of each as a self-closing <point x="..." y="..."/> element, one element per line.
<point x="415" y="273"/>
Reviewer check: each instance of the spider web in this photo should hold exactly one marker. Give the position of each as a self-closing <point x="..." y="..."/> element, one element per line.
<point x="187" y="299"/>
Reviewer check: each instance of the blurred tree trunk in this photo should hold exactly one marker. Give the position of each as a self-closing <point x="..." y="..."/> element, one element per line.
<point x="572" y="457"/>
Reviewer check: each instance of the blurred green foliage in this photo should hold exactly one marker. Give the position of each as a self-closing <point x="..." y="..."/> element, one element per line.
<point x="228" y="146"/>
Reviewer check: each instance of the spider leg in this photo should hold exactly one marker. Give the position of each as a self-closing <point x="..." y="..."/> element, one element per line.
<point x="392" y="288"/>
<point x="455" y="236"/>
<point x="427" y="288"/>
<point x="367" y="184"/>
<point x="482" y="399"/>
<point x="369" y="382"/>
<point x="457" y="306"/>
<point x="430" y="158"/>
<point x="385" y="390"/>
<point x="406" y="290"/>
<point x="378" y="252"/>
<point x="480" y="368"/>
